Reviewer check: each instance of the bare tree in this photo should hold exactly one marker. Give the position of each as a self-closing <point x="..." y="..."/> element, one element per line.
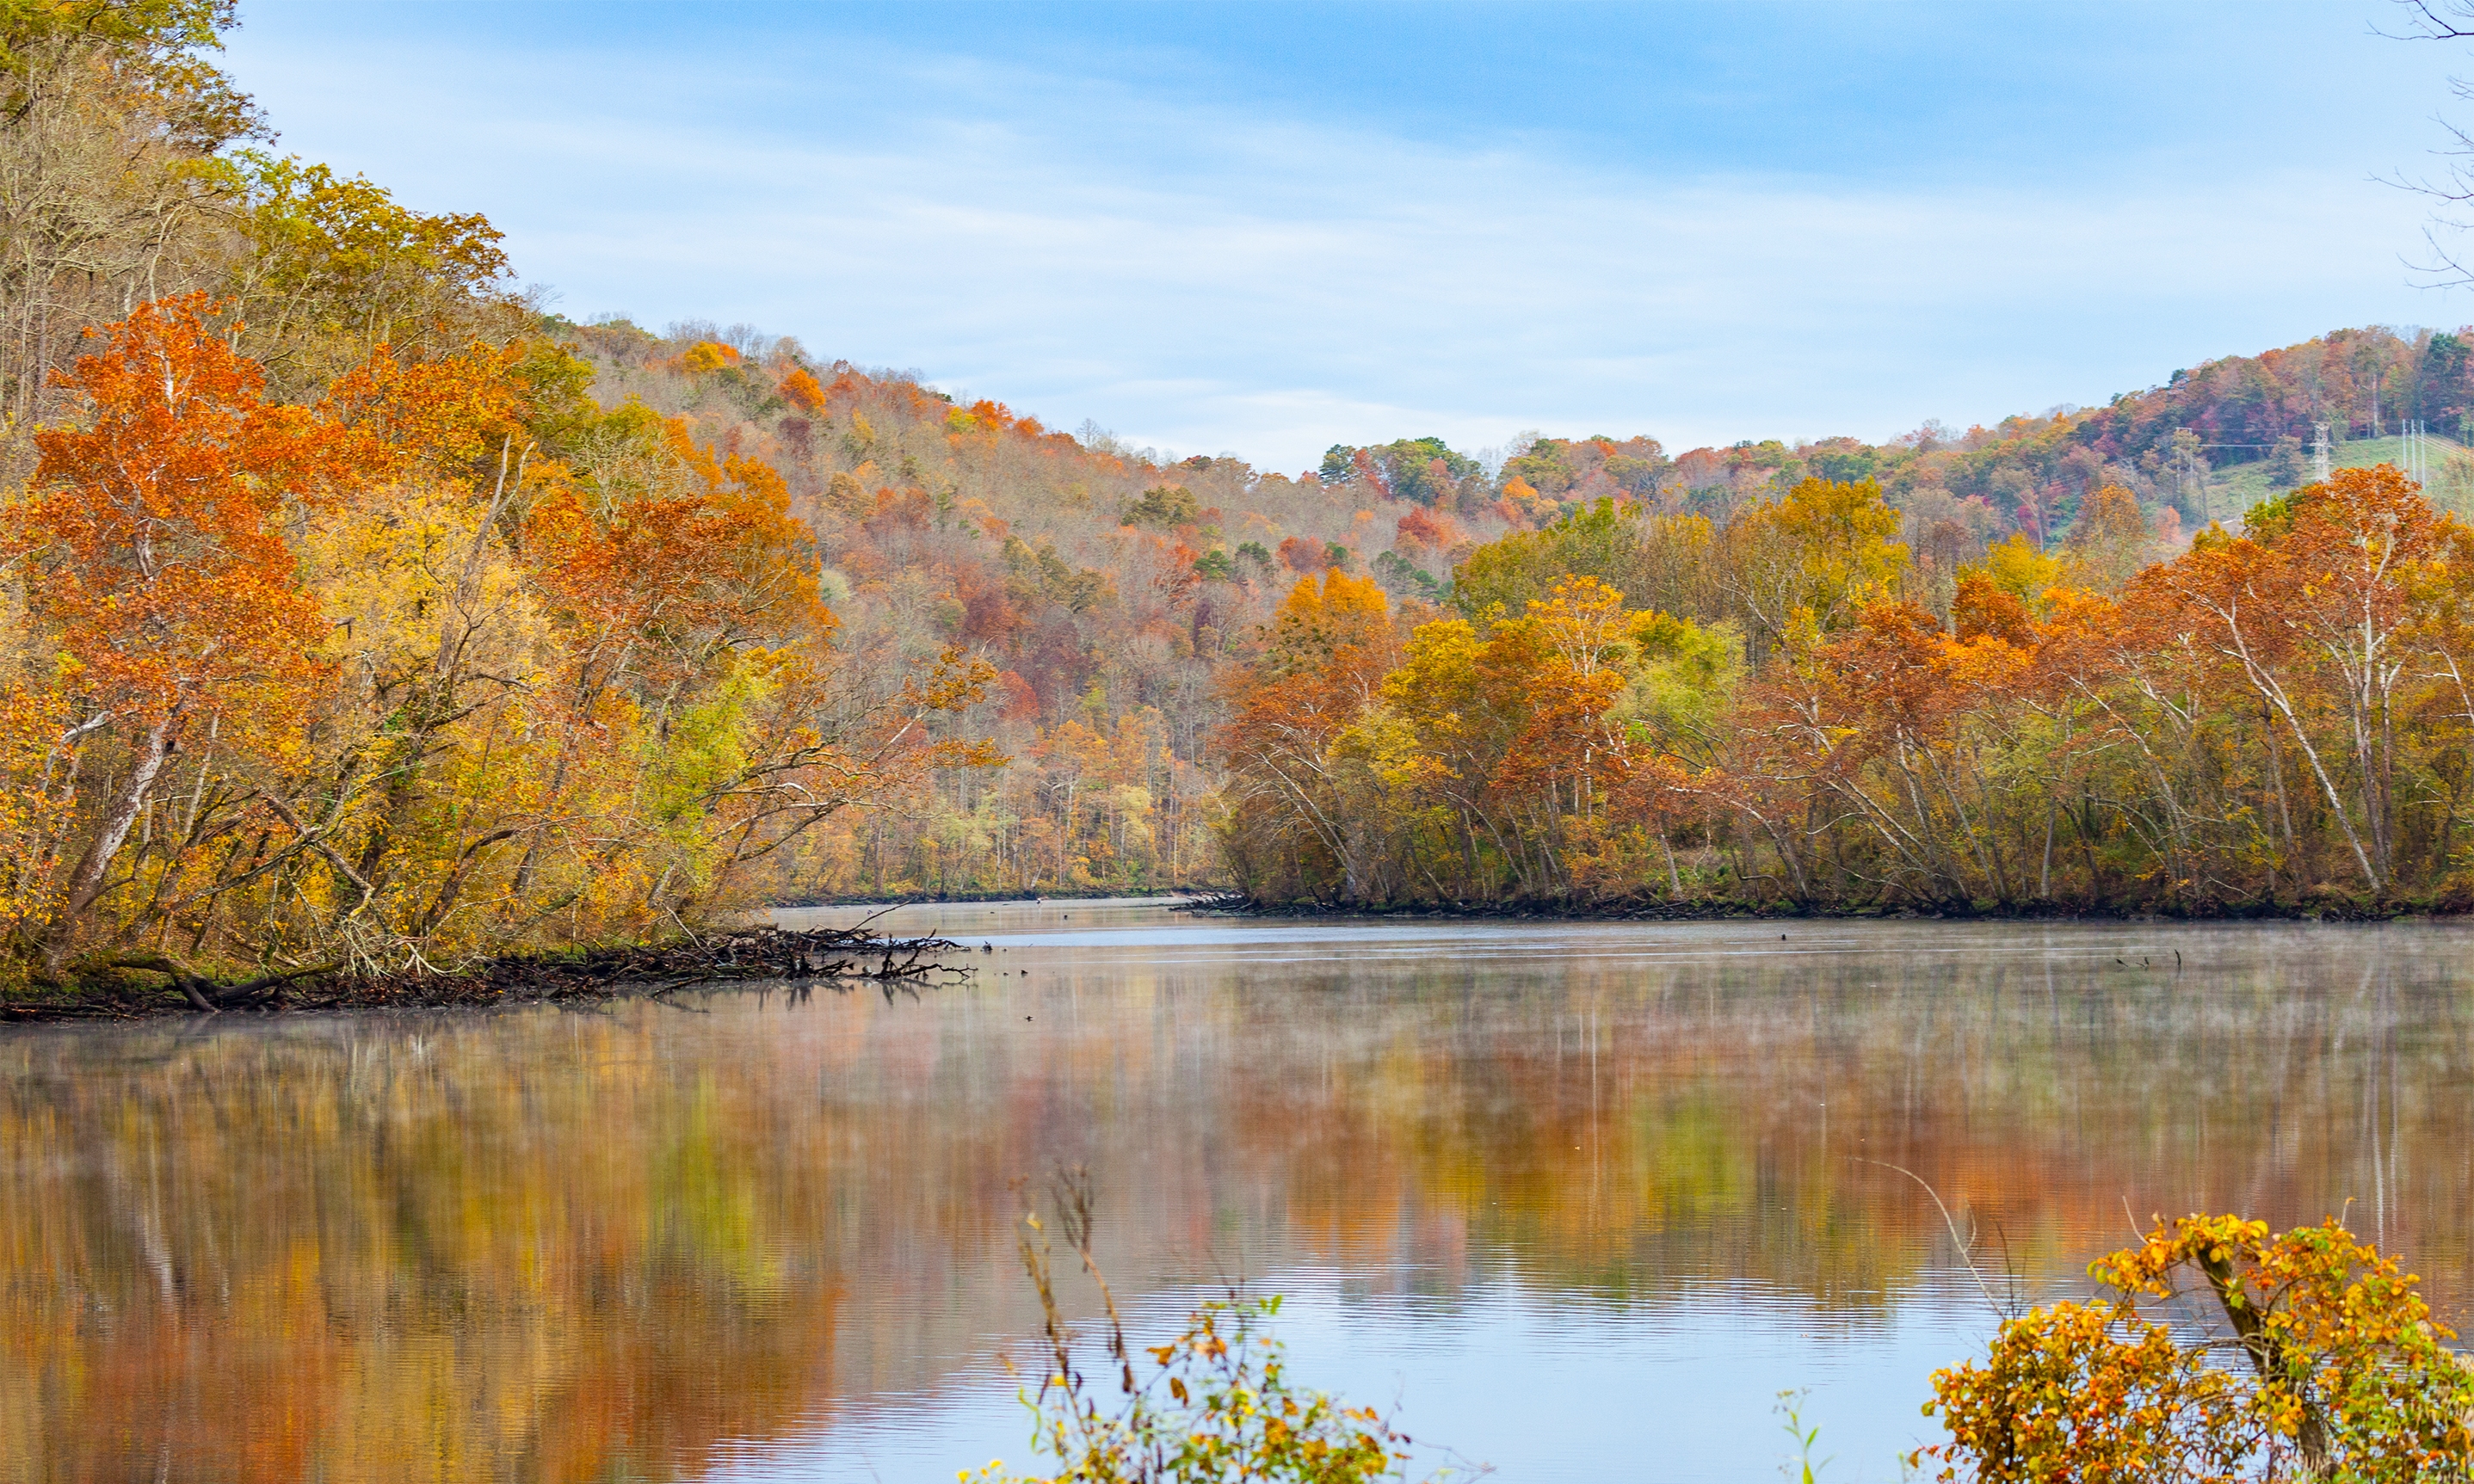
<point x="2453" y="188"/>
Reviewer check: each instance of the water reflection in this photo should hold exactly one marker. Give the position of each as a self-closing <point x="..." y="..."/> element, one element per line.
<point x="1580" y="1194"/>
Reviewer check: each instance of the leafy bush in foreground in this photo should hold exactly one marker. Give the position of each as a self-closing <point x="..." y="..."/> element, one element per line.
<point x="1214" y="1403"/>
<point x="2320" y="1363"/>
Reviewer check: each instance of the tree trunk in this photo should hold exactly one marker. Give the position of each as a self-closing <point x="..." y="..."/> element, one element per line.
<point x="2267" y="1351"/>
<point x="87" y="881"/>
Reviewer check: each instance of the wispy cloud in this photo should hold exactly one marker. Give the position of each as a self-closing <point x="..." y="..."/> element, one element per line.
<point x="1209" y="276"/>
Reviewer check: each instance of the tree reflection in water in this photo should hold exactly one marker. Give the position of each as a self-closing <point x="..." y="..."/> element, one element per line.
<point x="562" y="1246"/>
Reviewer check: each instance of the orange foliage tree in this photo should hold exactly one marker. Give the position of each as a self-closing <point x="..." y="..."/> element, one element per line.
<point x="1327" y="653"/>
<point x="386" y="679"/>
<point x="155" y="536"/>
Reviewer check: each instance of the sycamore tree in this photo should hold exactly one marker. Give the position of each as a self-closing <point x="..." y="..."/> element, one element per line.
<point x="2313" y="612"/>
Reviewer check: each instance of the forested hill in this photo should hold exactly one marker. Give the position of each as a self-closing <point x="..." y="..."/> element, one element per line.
<point x="1107" y="592"/>
<point x="2171" y="445"/>
<point x="357" y="607"/>
<point x="1111" y="591"/>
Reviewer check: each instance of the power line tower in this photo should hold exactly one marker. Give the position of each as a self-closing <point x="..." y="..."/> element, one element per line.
<point x="2319" y="453"/>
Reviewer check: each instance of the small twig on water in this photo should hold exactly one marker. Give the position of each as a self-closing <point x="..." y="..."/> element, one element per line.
<point x="1966" y="1244"/>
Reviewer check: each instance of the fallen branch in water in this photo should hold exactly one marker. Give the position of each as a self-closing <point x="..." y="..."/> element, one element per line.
<point x="109" y="989"/>
<point x="209" y="996"/>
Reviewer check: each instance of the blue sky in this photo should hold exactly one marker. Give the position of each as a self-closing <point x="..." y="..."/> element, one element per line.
<point x="1261" y="230"/>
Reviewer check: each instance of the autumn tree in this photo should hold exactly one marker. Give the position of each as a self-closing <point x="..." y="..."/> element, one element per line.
<point x="1657" y="562"/>
<point x="2110" y="539"/>
<point x="153" y="533"/>
<point x="111" y="192"/>
<point x="2312" y="610"/>
<point x="1818" y="556"/>
<point x="1330" y="646"/>
<point x="336" y="268"/>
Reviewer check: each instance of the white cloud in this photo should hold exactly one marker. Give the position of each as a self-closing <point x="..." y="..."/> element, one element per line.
<point x="1202" y="278"/>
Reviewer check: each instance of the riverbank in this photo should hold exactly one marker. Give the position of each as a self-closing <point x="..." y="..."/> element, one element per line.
<point x="2325" y="908"/>
<point x="1162" y="894"/>
<point x="134" y="987"/>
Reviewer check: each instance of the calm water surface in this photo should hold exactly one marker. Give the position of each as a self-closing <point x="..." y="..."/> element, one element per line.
<point x="1581" y="1199"/>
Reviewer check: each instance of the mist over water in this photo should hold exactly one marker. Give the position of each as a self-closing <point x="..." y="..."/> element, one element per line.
<point x="1581" y="1198"/>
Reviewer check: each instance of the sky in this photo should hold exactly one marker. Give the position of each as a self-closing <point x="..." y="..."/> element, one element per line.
<point x="1265" y="228"/>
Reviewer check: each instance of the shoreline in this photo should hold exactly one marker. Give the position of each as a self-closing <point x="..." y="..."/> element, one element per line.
<point x="1654" y="910"/>
<point x="148" y="987"/>
<point x="1004" y="898"/>
<point x="841" y="958"/>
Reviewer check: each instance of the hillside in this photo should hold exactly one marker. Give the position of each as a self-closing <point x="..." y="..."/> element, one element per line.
<point x="1110" y="594"/>
<point x="1113" y="593"/>
<point x="2236" y="487"/>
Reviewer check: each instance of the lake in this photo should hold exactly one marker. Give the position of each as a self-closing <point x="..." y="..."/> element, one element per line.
<point x="1581" y="1199"/>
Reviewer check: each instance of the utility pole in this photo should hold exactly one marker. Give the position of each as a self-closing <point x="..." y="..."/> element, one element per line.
<point x="2190" y="474"/>
<point x="2319" y="453"/>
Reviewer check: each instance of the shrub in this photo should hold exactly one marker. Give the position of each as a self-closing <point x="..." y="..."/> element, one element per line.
<point x="2326" y="1366"/>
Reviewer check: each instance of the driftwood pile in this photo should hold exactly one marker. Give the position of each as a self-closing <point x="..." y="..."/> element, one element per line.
<point x="138" y="984"/>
